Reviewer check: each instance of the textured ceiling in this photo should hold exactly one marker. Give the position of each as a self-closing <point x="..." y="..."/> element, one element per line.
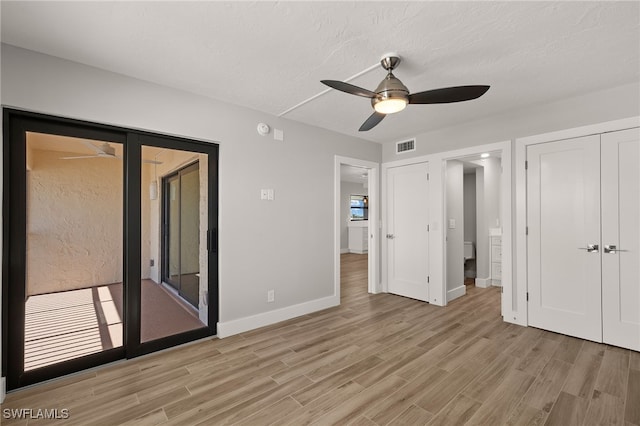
<point x="270" y="56"/>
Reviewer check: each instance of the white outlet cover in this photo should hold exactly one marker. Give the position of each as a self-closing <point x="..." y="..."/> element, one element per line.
<point x="452" y="224"/>
<point x="278" y="134"/>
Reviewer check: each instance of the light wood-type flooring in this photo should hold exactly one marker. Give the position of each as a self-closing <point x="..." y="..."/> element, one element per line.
<point x="374" y="360"/>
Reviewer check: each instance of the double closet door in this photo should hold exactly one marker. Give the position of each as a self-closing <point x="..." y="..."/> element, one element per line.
<point x="583" y="250"/>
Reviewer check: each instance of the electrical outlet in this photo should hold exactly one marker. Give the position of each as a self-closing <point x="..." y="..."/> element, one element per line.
<point x="271" y="296"/>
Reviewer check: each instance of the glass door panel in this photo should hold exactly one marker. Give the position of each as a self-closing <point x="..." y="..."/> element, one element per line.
<point x="190" y="234"/>
<point x="174" y="291"/>
<point x="171" y="225"/>
<point x="74" y="253"/>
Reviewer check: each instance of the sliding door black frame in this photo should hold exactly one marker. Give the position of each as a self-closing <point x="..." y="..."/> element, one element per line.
<point x="135" y="141"/>
<point x="16" y="124"/>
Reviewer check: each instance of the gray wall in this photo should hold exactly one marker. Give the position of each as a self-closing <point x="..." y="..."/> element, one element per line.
<point x="455" y="236"/>
<point x="604" y="105"/>
<point x="286" y="244"/>
<point x="346" y="190"/>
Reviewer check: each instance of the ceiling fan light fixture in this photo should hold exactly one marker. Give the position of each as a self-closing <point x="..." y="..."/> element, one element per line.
<point x="390" y="106"/>
<point x="392" y="95"/>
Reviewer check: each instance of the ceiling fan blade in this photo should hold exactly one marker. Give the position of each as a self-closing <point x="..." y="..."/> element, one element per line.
<point x="448" y="95"/>
<point x="372" y="121"/>
<point x="92" y="146"/>
<point x="349" y="88"/>
<point x="79" y="157"/>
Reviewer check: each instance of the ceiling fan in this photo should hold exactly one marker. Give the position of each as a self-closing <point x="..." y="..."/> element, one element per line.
<point x="392" y="96"/>
<point x="105" y="150"/>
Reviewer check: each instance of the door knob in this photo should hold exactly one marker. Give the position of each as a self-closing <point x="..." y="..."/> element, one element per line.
<point x="612" y="248"/>
<point x="390" y="236"/>
<point x="591" y="248"/>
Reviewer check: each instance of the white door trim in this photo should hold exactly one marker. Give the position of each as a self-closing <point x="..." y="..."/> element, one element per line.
<point x="374" y="228"/>
<point x="520" y="311"/>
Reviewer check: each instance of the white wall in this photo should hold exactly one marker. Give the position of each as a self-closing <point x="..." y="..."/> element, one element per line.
<point x="469" y="188"/>
<point x="286" y="244"/>
<point x="488" y="214"/>
<point x="455" y="235"/>
<point x="492" y="172"/>
<point x="482" y="242"/>
<point x="469" y="196"/>
<point x="346" y="190"/>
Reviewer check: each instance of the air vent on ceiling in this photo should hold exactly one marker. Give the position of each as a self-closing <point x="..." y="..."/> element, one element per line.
<point x="405" y="146"/>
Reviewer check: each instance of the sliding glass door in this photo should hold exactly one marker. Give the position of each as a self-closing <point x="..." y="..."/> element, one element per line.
<point x="176" y="221"/>
<point x="181" y="227"/>
<point x="73" y="285"/>
<point x="92" y="274"/>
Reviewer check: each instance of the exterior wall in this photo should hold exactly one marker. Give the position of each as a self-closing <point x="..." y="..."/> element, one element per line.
<point x="74" y="222"/>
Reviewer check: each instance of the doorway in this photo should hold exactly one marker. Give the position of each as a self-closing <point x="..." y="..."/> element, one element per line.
<point x="482" y="178"/>
<point x="473" y="222"/>
<point x="355" y="216"/>
<point x="79" y="246"/>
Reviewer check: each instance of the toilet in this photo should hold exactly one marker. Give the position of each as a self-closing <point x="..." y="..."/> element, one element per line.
<point x="469" y="250"/>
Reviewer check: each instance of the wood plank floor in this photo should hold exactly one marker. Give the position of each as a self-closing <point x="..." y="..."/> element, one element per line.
<point x="374" y="360"/>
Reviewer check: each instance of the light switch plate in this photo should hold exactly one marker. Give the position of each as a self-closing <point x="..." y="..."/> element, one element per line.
<point x="278" y="134"/>
<point x="452" y="224"/>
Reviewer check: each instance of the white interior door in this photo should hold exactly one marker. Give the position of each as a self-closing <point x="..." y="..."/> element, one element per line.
<point x="563" y="219"/>
<point x="620" y="228"/>
<point x="407" y="236"/>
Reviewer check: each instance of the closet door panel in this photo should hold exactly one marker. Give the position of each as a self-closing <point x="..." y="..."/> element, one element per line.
<point x="621" y="228"/>
<point x="563" y="217"/>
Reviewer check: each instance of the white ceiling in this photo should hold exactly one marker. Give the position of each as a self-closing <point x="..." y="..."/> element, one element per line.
<point x="270" y="56"/>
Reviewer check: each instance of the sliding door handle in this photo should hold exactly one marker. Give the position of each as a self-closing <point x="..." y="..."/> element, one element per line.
<point x="212" y="241"/>
<point x="591" y="248"/>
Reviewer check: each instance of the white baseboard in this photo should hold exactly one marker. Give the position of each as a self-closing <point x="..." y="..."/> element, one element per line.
<point x="483" y="282"/>
<point x="229" y="328"/>
<point x="344" y="250"/>
<point x="3" y="389"/>
<point x="456" y="292"/>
